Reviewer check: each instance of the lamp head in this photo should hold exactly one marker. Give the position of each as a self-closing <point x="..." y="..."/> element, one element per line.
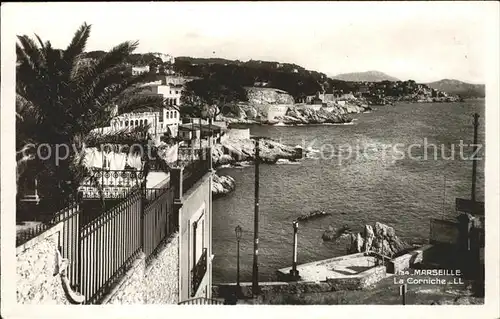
<point x="238" y="230"/>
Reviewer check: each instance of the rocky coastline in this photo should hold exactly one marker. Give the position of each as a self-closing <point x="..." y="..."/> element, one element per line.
<point x="238" y="152"/>
<point x="233" y="151"/>
<point x="270" y="106"/>
<point x="379" y="238"/>
<point x="222" y="185"/>
<point x="414" y="99"/>
<point x="296" y="114"/>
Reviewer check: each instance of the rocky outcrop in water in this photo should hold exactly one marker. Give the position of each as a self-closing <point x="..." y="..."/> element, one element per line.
<point x="333" y="234"/>
<point x="222" y="185"/>
<point x="241" y="150"/>
<point x="379" y="238"/>
<point x="297" y="115"/>
<point x="312" y="215"/>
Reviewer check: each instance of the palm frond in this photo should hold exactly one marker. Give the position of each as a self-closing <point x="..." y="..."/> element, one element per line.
<point x="77" y="45"/>
<point x="30" y="51"/>
<point x="138" y="102"/>
<point x="134" y="136"/>
<point x="114" y="57"/>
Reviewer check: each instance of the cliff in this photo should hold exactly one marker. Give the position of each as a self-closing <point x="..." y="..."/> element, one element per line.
<point x="258" y="96"/>
<point x="272" y="106"/>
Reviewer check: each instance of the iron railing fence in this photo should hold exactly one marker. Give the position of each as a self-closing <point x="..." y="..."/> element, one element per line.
<point x="159" y="218"/>
<point x="195" y="170"/>
<point x="102" y="247"/>
<point x="202" y="301"/>
<point x="153" y="193"/>
<point x="108" y="246"/>
<point x="69" y="244"/>
<point x="114" y="184"/>
<point x="23" y="235"/>
<point x="198" y="272"/>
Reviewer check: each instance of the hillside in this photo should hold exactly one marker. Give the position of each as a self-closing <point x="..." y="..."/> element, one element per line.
<point x="462" y="89"/>
<point x="368" y="76"/>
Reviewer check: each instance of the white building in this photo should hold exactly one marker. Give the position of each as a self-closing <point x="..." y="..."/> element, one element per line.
<point x="160" y="121"/>
<point x="171" y="93"/>
<point x="136" y="70"/>
<point x="165" y="57"/>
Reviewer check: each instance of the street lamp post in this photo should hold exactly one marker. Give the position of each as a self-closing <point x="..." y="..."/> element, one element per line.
<point x="238" y="232"/>
<point x="294" y="272"/>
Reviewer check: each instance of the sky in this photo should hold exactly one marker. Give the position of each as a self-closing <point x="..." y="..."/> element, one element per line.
<point x="423" y="41"/>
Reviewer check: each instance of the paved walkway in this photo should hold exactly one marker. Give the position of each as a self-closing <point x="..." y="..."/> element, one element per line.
<point x="338" y="267"/>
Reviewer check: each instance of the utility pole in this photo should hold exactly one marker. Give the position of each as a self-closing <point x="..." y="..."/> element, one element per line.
<point x="474" y="161"/>
<point x="199" y="121"/>
<point x="255" y="269"/>
<point x="402" y="293"/>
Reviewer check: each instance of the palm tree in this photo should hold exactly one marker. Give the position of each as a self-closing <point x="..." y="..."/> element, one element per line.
<point x="59" y="101"/>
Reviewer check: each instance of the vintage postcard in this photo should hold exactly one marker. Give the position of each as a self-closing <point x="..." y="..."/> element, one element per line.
<point x="168" y="154"/>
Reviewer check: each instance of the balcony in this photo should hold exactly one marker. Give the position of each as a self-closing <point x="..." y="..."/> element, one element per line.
<point x="198" y="272"/>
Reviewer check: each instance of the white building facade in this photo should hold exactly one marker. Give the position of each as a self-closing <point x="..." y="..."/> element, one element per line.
<point x="162" y="121"/>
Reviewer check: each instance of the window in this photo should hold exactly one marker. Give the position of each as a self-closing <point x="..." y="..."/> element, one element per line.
<point x="145" y="122"/>
<point x="198" y="238"/>
<point x="198" y="251"/>
<point x="168" y="115"/>
<point x="176" y="92"/>
<point x="140" y="122"/>
<point x="126" y="123"/>
<point x="136" y="122"/>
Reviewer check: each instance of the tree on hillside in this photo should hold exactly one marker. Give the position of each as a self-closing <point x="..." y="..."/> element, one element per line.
<point x="298" y="84"/>
<point x="200" y="95"/>
<point x="59" y="101"/>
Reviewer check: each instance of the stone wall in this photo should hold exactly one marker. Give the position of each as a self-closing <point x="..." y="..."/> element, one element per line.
<point x="156" y="283"/>
<point x="372" y="276"/>
<point x="130" y="289"/>
<point x="407" y="260"/>
<point x="270" y="290"/>
<point x="35" y="268"/>
<point x="161" y="281"/>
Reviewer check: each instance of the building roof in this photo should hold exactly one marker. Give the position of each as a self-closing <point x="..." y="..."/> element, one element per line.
<point x="196" y="127"/>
